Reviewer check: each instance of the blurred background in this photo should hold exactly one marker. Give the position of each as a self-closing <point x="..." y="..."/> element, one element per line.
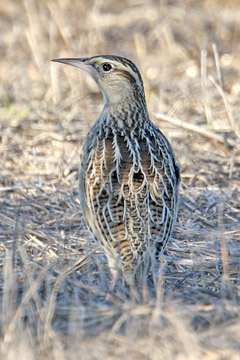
<point x="188" y="53"/>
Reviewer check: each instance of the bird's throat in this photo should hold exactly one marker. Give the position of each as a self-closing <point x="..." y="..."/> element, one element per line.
<point x="124" y="115"/>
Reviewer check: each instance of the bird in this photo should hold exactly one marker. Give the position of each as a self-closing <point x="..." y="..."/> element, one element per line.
<point x="129" y="177"/>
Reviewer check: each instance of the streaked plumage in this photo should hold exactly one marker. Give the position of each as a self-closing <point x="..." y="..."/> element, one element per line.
<point x="128" y="178"/>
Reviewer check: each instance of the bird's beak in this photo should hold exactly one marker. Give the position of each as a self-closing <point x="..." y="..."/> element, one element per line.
<point x="82" y="63"/>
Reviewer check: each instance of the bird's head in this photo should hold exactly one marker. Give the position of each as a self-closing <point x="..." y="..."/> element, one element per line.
<point x="117" y="77"/>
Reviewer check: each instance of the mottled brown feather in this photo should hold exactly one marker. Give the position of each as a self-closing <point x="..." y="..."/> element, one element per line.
<point x="129" y="178"/>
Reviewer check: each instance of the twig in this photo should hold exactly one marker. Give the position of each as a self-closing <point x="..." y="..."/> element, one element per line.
<point x="218" y="67"/>
<point x="224" y="253"/>
<point x="229" y="112"/>
<point x="198" y="130"/>
<point x="207" y="106"/>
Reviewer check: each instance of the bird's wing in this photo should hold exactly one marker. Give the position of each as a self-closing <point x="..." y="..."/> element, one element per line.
<point x="163" y="176"/>
<point x="130" y="191"/>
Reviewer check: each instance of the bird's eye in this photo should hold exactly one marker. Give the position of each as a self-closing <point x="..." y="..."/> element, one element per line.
<point x="107" y="67"/>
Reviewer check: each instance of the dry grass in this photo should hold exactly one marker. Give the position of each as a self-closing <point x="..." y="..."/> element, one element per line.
<point x="54" y="280"/>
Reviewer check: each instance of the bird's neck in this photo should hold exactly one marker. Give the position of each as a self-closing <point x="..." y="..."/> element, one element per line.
<point x="127" y="113"/>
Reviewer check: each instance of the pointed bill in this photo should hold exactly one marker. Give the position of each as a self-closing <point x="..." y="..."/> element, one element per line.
<point x="82" y="63"/>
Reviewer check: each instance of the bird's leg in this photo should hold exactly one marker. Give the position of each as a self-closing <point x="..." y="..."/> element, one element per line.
<point x="112" y="285"/>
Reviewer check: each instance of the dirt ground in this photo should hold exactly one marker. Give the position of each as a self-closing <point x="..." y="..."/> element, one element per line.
<point x="53" y="277"/>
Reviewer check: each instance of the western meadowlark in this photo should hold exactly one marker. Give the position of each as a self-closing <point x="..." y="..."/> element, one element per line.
<point x="128" y="178"/>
